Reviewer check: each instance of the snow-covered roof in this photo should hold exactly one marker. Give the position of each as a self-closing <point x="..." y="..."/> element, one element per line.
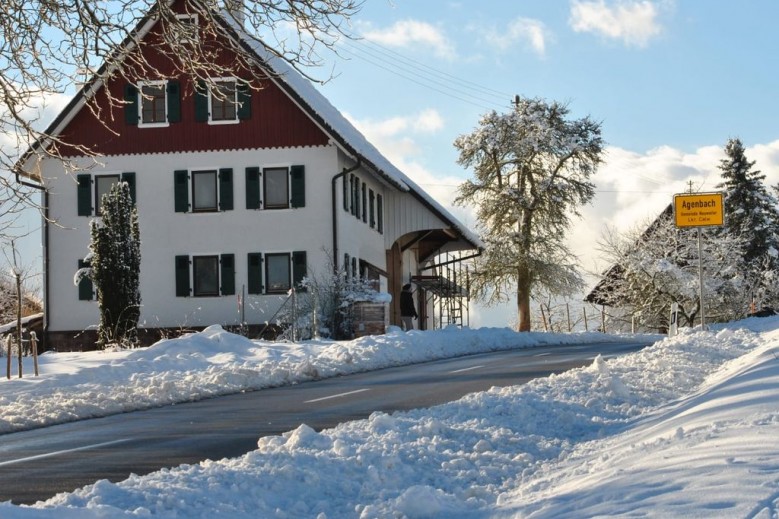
<point x="332" y="121"/>
<point x="339" y="127"/>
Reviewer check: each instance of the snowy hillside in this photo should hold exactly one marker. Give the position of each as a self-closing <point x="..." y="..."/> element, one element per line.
<point x="686" y="427"/>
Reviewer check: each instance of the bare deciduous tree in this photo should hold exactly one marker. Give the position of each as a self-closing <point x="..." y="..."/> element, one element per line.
<point x="47" y="47"/>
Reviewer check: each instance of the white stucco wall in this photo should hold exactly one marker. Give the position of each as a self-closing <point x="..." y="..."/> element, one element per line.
<point x="165" y="234"/>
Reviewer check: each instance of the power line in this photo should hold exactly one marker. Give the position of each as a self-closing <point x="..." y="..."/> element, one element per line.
<point x="423" y="77"/>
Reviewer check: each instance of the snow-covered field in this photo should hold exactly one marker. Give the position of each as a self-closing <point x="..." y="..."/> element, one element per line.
<point x="688" y="427"/>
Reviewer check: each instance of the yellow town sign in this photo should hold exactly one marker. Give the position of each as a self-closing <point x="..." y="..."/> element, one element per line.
<point x="698" y="210"/>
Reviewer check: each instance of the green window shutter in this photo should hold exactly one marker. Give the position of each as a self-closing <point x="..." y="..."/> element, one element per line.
<point x="298" y="186"/>
<point x="254" y="261"/>
<point x="173" y="89"/>
<point x="129" y="177"/>
<point x="182" y="276"/>
<point x="226" y="189"/>
<point x="244" y="97"/>
<point x="299" y="267"/>
<point x="380" y="213"/>
<point x="253" y="188"/>
<point x="372" y="208"/>
<point x="227" y="275"/>
<point x="85" y="290"/>
<point x="181" y="190"/>
<point x="346" y="194"/>
<point x="130" y="104"/>
<point x="351" y="194"/>
<point x="357" y="198"/>
<point x="364" y="204"/>
<point x="201" y="102"/>
<point x="84" y="194"/>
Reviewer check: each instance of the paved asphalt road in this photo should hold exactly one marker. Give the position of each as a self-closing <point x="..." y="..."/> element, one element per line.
<point x="35" y="465"/>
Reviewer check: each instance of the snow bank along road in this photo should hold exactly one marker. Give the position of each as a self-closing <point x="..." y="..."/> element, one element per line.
<point x="39" y="463"/>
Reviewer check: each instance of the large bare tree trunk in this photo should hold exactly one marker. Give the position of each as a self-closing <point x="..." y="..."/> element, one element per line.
<point x="523" y="299"/>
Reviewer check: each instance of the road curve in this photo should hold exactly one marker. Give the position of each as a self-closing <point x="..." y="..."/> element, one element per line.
<point x="37" y="464"/>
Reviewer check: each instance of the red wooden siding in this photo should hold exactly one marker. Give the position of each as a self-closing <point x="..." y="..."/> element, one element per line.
<point x="275" y="121"/>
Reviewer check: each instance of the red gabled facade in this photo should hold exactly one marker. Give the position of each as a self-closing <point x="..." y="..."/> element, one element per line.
<point x="275" y="122"/>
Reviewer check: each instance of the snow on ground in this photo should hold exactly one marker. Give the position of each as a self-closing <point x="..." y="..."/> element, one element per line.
<point x="74" y="386"/>
<point x="685" y="428"/>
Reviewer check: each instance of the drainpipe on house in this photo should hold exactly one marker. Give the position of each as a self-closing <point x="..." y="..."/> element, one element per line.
<point x="334" y="192"/>
<point x="46" y="307"/>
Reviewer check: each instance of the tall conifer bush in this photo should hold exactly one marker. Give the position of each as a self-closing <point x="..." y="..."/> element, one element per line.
<point x="115" y="253"/>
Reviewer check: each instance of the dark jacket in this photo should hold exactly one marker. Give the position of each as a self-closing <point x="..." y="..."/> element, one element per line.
<point x="407" y="304"/>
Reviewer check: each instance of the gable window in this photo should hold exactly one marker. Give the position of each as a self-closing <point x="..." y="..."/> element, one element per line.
<point x="205" y="275"/>
<point x="186" y="29"/>
<point x="223" y="102"/>
<point x="103" y="184"/>
<point x="152" y="103"/>
<point x="202" y="191"/>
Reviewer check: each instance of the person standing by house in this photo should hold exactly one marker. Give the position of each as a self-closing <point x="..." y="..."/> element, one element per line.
<point x="407" y="310"/>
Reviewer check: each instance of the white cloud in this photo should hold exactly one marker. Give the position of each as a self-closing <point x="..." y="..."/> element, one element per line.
<point x="532" y="33"/>
<point x="395" y="138"/>
<point x="633" y="188"/>
<point x="632" y="22"/>
<point x="412" y="33"/>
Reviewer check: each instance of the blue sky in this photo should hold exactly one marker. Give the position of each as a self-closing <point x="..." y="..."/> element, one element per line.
<point x="671" y="81"/>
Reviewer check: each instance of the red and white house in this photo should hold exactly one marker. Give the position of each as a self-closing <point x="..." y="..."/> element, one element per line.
<point x="240" y="188"/>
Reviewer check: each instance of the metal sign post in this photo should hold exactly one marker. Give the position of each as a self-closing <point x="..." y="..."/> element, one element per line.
<point x="699" y="210"/>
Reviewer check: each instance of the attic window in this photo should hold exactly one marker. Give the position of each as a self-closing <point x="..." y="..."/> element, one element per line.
<point x="186" y="29"/>
<point x="153" y="101"/>
<point x="223" y="101"/>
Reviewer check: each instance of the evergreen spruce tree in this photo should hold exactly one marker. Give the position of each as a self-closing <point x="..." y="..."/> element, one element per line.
<point x="751" y="214"/>
<point x="115" y="253"/>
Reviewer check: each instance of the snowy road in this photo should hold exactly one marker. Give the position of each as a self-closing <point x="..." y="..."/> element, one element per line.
<point x="37" y="464"/>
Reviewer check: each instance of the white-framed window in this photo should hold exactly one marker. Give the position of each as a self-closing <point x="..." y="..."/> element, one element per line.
<point x="204" y="191"/>
<point x="91" y="188"/>
<point x="153" y="103"/>
<point x="275" y="188"/>
<point x="103" y="184"/>
<point x="223" y="101"/>
<point x="278" y="270"/>
<point x="187" y="29"/>
<point x="205" y="276"/>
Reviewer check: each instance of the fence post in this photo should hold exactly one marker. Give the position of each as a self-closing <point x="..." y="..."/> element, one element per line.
<point x="34" y="346"/>
<point x="8" y="353"/>
<point x="586" y="327"/>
